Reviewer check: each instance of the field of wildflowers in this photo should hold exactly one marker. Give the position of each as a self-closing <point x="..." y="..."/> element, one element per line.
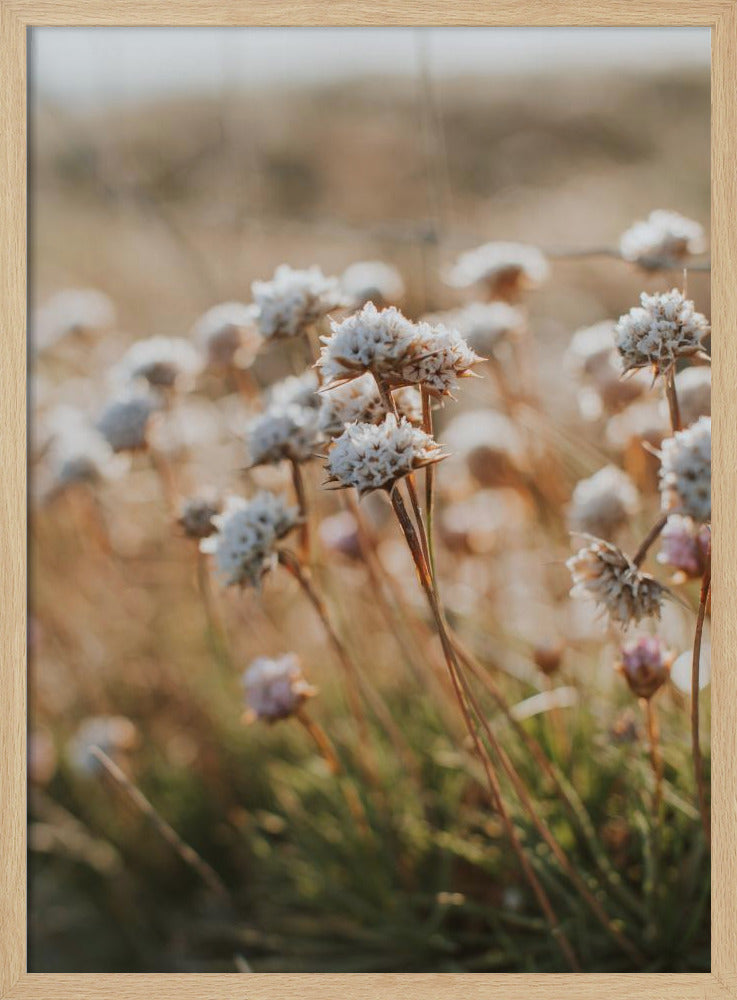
<point x="370" y="597"/>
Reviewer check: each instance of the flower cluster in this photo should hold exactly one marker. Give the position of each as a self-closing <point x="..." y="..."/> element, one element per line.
<point x="602" y="571"/>
<point x="376" y="456"/>
<point x="293" y="300"/>
<point x="504" y="269"/>
<point x="656" y="333"/>
<point x="276" y="688"/>
<point x="603" y="503"/>
<point x="244" y="546"/>
<point x="359" y="401"/>
<point x="82" y="455"/>
<point x="664" y="239"/>
<point x="685" y="471"/>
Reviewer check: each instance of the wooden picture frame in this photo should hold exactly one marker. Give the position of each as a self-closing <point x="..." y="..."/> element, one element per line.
<point x="16" y="17"/>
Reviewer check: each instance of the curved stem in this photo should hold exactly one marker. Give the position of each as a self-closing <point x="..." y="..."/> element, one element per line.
<point x="649" y="539"/>
<point x="695" y="672"/>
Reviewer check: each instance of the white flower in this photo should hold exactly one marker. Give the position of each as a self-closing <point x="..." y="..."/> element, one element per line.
<point x="70" y="311"/>
<point x="602" y="571"/>
<point x="372" y="281"/>
<point x="592" y="358"/>
<point x="484" y="325"/>
<point x="297" y="390"/>
<point x="371" y="340"/>
<point x="506" y="269"/>
<point x="163" y="362"/>
<point x="685" y="471"/>
<point x="665" y="327"/>
<point x="196" y="515"/>
<point x="439" y="357"/>
<point x="81" y="455"/>
<point x="293" y="300"/>
<point x="275" y="688"/>
<point x="603" y="503"/>
<point x="247" y="532"/>
<point x="359" y="401"/>
<point x="113" y="734"/>
<point x="227" y="335"/>
<point x="288" y="432"/>
<point x="663" y="239"/>
<point x="376" y="456"/>
<point x="124" y="422"/>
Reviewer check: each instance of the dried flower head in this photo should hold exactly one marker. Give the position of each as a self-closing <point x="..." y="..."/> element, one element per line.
<point x="372" y="340"/>
<point x="645" y="665"/>
<point x="664" y="239"/>
<point x="372" y="281"/>
<point x="685" y="471"/>
<point x="656" y="333"/>
<point x="684" y="545"/>
<point x="276" y="688"/>
<point x="164" y="362"/>
<point x="603" y="503"/>
<point x="506" y="270"/>
<point x="196" y="515"/>
<point x="359" y="401"/>
<point x="74" y="310"/>
<point x="439" y="357"/>
<point x="376" y="456"/>
<point x="283" y="433"/>
<point x="113" y="734"/>
<point x="244" y="546"/>
<point x="227" y="335"/>
<point x="486" y="325"/>
<point x="603" y="572"/>
<point x="125" y="421"/>
<point x="293" y="300"/>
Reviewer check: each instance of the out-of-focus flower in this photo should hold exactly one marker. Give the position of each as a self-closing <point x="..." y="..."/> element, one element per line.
<point x="505" y="270"/>
<point x="625" y="728"/>
<point x="227" y="335"/>
<point x="372" y="340"/>
<point x="376" y="456"/>
<point x="283" y="433"/>
<point x="592" y="359"/>
<point x="73" y="310"/>
<point x="124" y="422"/>
<point x="372" y="281"/>
<point x="483" y="522"/>
<point x="548" y="657"/>
<point x="113" y="734"/>
<point x="297" y="390"/>
<point x="645" y="664"/>
<point x="603" y="572"/>
<point x="662" y="240"/>
<point x="82" y="455"/>
<point x="603" y="503"/>
<point x="196" y="515"/>
<point x="485" y="325"/>
<point x="680" y="673"/>
<point x="656" y="333"/>
<point x="490" y="445"/>
<point x="684" y="545"/>
<point x="634" y="432"/>
<point x="244" y="546"/>
<point x="685" y="471"/>
<point x="293" y="300"/>
<point x="276" y="688"/>
<point x="339" y="533"/>
<point x="359" y="401"/>
<point x="163" y="362"/>
<point x="693" y="389"/>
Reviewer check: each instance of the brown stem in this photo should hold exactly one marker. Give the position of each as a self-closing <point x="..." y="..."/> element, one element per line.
<point x="695" y="672"/>
<point x="656" y="759"/>
<point x="305" y="546"/>
<point x="320" y="739"/>
<point x="650" y="537"/>
<point x="429" y="481"/>
<point x="672" y="397"/>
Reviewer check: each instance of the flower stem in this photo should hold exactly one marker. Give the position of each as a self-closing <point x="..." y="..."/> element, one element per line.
<point x="429" y="482"/>
<point x="672" y="397"/>
<point x="305" y="545"/>
<point x="649" y="539"/>
<point x="656" y="759"/>
<point x="695" y="672"/>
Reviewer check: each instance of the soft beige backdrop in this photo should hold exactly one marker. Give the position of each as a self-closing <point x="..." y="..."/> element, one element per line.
<point x="15" y="18"/>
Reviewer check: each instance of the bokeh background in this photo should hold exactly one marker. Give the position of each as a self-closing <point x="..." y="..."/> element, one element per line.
<point x="169" y="169"/>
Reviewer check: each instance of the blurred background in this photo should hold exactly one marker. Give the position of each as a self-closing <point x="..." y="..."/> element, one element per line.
<point x="169" y="168"/>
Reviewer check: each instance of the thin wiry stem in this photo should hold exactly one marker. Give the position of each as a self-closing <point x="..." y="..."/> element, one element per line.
<point x="429" y="481"/>
<point x="305" y="542"/>
<point x="672" y="396"/>
<point x="649" y="539"/>
<point x="695" y="687"/>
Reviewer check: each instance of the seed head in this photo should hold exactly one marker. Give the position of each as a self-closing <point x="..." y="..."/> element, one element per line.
<point x="288" y="432"/>
<point x="275" y="688"/>
<point x="662" y="240"/>
<point x="602" y="571"/>
<point x="645" y="665"/>
<point x="662" y="329"/>
<point x="359" y="401"/>
<point x="603" y="503"/>
<point x="293" y="300"/>
<point x="685" y="471"/>
<point x="372" y="340"/>
<point x="440" y="356"/>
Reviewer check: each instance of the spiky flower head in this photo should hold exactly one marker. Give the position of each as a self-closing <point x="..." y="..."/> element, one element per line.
<point x="664" y="239"/>
<point x="439" y="357"/>
<point x="376" y="456"/>
<point x="283" y="433"/>
<point x="196" y="515"/>
<point x="227" y="335"/>
<point x="506" y="270"/>
<point x="603" y="503"/>
<point x="163" y="362"/>
<point x="603" y="572"/>
<point x="372" y="340"/>
<point x="685" y="471"/>
<point x="684" y="545"/>
<point x="645" y="665"/>
<point x="275" y="687"/>
<point x="293" y="300"/>
<point x="656" y="333"/>
<point x="244" y="546"/>
<point x="359" y="401"/>
<point x="125" y="421"/>
<point x="372" y="281"/>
